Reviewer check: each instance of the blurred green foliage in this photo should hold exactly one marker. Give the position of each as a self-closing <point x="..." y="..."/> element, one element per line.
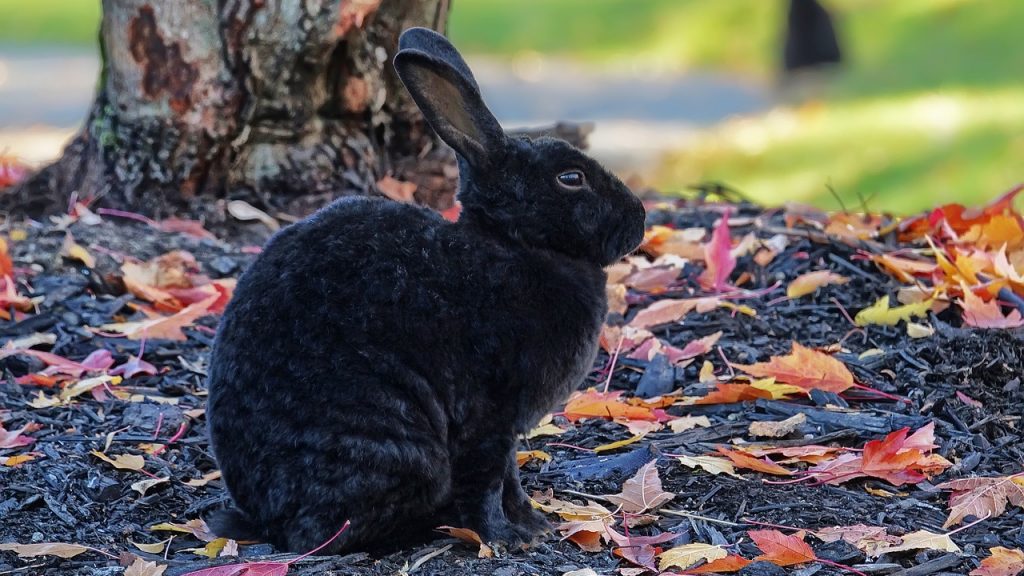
<point x="927" y="108"/>
<point x="49" y="21"/>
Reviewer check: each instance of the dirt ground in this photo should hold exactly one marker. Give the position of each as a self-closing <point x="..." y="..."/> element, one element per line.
<point x="67" y="495"/>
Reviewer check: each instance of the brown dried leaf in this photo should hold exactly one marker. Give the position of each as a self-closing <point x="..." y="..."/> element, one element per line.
<point x="642" y="492"/>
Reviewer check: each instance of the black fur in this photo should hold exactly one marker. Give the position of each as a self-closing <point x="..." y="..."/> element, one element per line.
<point x="377" y="362"/>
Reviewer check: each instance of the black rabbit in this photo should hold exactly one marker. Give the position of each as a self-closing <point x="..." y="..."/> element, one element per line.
<point x="377" y="362"/>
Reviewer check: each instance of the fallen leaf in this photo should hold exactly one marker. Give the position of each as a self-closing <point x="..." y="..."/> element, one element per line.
<point x="133" y="366"/>
<point x="710" y="464"/>
<point x="142" y="567"/>
<point x="73" y="251"/>
<point x="619" y="443"/>
<point x="780" y="549"/>
<point x="587" y="534"/>
<point x="806" y="368"/>
<point x="981" y="314"/>
<point x="244" y="569"/>
<point x="206" y="478"/>
<point x="915" y="330"/>
<point x="982" y="497"/>
<point x="212" y="549"/>
<point x="572" y="512"/>
<point x="122" y="461"/>
<point x="920" y="540"/>
<point x="689" y="554"/>
<point x="810" y="282"/>
<point x="154" y="548"/>
<point x="642" y="492"/>
<point x="880" y="314"/>
<point x="88" y="385"/>
<point x="545" y="428"/>
<point x="524" y="457"/>
<point x="15" y="438"/>
<point x="470" y="537"/>
<point x="718" y="257"/>
<point x="168" y="327"/>
<point x="684" y="423"/>
<point x="594" y="404"/>
<point x="744" y="460"/>
<point x="44" y="549"/>
<point x="143" y="486"/>
<point x="769" y="429"/>
<point x="1002" y="562"/>
<point x="195" y="527"/>
<point x="861" y="536"/>
<point x="652" y="280"/>
<point x="731" y="563"/>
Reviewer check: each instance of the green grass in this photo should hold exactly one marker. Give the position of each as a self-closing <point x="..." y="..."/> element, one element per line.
<point x="900" y="154"/>
<point x="880" y="130"/>
<point x="37" y="22"/>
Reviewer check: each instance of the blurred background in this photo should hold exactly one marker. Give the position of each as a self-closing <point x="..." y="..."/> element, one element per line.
<point x="925" y="106"/>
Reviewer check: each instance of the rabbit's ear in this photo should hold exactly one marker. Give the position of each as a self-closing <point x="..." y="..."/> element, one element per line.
<point x="443" y="87"/>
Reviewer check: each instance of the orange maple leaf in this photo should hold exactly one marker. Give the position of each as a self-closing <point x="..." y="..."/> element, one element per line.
<point x="1002" y="562"/>
<point x="594" y="404"/>
<point x="780" y="549"/>
<point x="805" y="368"/>
<point x="731" y="563"/>
<point x="744" y="460"/>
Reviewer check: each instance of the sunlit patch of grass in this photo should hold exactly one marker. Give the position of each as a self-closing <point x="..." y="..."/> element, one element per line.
<point x="49" y="21"/>
<point x="901" y="153"/>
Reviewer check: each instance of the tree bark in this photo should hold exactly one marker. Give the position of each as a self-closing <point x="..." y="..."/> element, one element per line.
<point x="286" y="104"/>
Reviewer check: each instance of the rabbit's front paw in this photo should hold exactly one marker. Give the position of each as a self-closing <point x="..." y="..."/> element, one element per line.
<point x="530" y="524"/>
<point x="503" y="534"/>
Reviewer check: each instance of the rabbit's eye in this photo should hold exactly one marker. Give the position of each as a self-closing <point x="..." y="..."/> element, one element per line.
<point x="572" y="179"/>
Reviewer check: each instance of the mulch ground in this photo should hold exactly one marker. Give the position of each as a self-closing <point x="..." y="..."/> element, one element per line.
<point x="66" y="494"/>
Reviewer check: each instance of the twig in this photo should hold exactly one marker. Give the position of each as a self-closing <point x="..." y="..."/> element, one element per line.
<point x="699" y="517"/>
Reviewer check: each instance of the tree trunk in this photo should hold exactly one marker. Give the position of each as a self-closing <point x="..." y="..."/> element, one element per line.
<point x="283" y="103"/>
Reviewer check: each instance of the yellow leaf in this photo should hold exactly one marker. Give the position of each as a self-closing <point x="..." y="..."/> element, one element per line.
<point x="778" y="391"/>
<point x="196" y="527"/>
<point x="16" y="460"/>
<point x="197" y="482"/>
<point x="73" y="251"/>
<point x="545" y="428"/>
<point x="154" y="548"/>
<point x="710" y="464"/>
<point x="810" y="282"/>
<point x="142" y="567"/>
<point x="915" y="330"/>
<point x="707" y="373"/>
<point x="689" y="554"/>
<point x="684" y="423"/>
<point x="741" y="308"/>
<point x="524" y="457"/>
<point x="212" y="548"/>
<point x="920" y="540"/>
<point x="881" y="314"/>
<point x="122" y="461"/>
<point x="618" y="444"/>
<point x="44" y="549"/>
<point x="83" y="386"/>
<point x="43" y="401"/>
